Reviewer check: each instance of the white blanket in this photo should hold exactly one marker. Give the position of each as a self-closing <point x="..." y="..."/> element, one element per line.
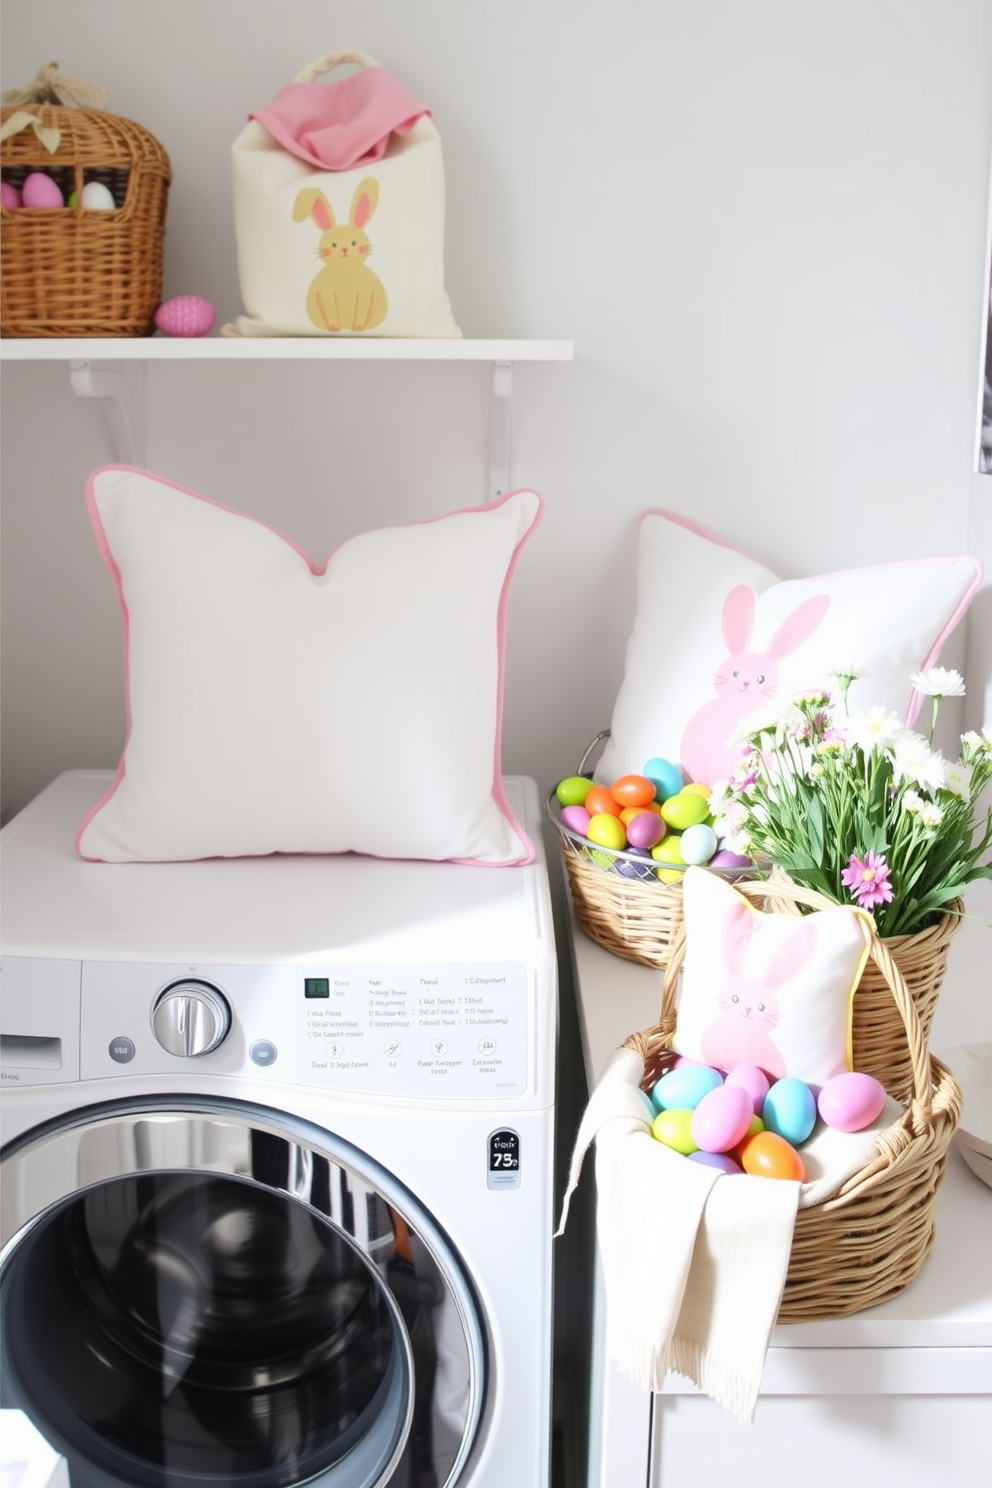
<point x="695" y="1267"/>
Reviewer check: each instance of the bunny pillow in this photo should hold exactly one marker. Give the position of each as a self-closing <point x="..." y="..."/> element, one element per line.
<point x="773" y="990"/>
<point x="717" y="636"/>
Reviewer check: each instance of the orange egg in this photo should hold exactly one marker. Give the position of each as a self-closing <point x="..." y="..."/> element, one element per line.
<point x="767" y="1155"/>
<point x="633" y="790"/>
<point x="599" y="801"/>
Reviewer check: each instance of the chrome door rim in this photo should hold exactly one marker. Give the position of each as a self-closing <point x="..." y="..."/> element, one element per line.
<point x="207" y="1135"/>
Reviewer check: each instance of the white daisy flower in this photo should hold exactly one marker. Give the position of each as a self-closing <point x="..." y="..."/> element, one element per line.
<point x="957" y="780"/>
<point x="914" y="760"/>
<point x="876" y="729"/>
<point x="938" y="682"/>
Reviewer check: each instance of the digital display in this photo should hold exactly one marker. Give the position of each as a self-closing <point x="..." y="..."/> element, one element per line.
<point x="316" y="987"/>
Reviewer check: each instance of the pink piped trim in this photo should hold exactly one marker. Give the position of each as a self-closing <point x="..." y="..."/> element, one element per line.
<point x="498" y="794"/>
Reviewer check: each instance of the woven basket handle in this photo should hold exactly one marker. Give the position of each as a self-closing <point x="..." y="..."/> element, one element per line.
<point x="329" y="61"/>
<point x="922" y="1073"/>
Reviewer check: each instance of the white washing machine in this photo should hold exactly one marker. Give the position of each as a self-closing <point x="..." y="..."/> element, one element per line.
<point x="277" y="1163"/>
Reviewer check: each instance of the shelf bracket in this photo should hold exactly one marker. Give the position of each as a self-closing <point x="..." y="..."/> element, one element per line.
<point x="121" y="386"/>
<point x="499" y="431"/>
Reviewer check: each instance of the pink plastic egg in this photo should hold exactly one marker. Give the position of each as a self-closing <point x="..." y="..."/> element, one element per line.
<point x="721" y="1118"/>
<point x="646" y="829"/>
<point x="575" y="818"/>
<point x="9" y="196"/>
<point x="851" y="1101"/>
<point x="186" y="315"/>
<point x="40" y="190"/>
<point x="753" y="1080"/>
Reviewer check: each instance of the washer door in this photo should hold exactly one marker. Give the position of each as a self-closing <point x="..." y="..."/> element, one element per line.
<point x="211" y="1293"/>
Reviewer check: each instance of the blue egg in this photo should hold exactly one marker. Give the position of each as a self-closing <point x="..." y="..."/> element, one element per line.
<point x="666" y="776"/>
<point x="790" y="1110"/>
<point x="684" y="1088"/>
<point x="721" y="1160"/>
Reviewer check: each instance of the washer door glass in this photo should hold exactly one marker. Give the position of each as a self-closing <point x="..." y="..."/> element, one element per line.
<point x="181" y="1326"/>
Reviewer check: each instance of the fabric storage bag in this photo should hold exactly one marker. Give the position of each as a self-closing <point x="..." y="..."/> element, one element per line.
<point x="339" y="209"/>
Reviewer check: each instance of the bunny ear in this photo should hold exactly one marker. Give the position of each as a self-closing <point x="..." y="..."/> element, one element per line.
<point x="738" y="617"/>
<point x="738" y="927"/>
<point x="313" y="203"/>
<point x="791" y="956"/>
<point x="798" y="626"/>
<point x="364" y="201"/>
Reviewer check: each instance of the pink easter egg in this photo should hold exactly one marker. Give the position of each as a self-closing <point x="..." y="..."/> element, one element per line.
<point x="645" y="829"/>
<point x="10" y="197"/>
<point x="753" y="1080"/>
<point x="186" y="315"/>
<point x="851" y="1101"/>
<point x="575" y="818"/>
<point x="40" y="190"/>
<point x="721" y="1119"/>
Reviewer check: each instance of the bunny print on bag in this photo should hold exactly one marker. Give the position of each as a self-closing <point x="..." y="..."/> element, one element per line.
<point x="749" y="1008"/>
<point x="745" y="680"/>
<point x="346" y="295"/>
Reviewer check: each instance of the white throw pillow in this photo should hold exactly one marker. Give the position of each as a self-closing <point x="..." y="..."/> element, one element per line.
<point x="717" y="635"/>
<point x="774" y="990"/>
<point x="277" y="706"/>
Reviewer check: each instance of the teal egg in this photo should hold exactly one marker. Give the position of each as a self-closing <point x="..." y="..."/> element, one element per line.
<point x="666" y="776"/>
<point x="685" y="1087"/>
<point x="789" y="1110"/>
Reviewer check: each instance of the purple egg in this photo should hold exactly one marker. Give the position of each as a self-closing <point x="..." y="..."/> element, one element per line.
<point x="640" y="870"/>
<point x="575" y="818"/>
<point x="645" y="829"/>
<point x="721" y="1160"/>
<point x="727" y="859"/>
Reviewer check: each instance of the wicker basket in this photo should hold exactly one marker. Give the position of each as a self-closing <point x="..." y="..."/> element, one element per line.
<point x="619" y="901"/>
<point x="878" y="1035"/>
<point x="70" y="272"/>
<point x="868" y="1242"/>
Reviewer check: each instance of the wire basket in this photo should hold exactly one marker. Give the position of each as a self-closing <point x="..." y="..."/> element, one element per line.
<point x="619" y="900"/>
<point x="75" y="272"/>
<point x="870" y="1240"/>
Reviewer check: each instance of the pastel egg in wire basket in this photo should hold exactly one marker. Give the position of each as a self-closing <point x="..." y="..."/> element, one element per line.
<point x="625" y="863"/>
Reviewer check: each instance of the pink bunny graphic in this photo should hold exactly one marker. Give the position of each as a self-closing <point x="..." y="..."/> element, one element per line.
<point x="745" y="680"/>
<point x="749" y="1009"/>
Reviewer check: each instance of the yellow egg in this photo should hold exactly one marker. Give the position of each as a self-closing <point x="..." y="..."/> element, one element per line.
<point x="672" y="1128"/>
<point x="607" y="831"/>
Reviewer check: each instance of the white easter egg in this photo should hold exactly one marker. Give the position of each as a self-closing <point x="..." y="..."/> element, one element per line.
<point x="97" y="197"/>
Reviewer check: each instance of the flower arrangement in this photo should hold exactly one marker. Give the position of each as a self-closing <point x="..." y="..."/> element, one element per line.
<point x="860" y="807"/>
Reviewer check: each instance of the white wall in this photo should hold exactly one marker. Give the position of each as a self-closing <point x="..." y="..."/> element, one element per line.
<point x="762" y="224"/>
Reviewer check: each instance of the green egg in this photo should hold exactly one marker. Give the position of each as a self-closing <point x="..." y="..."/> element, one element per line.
<point x="672" y="1128"/>
<point x="685" y="810"/>
<point x="669" y="850"/>
<point x="572" y="791"/>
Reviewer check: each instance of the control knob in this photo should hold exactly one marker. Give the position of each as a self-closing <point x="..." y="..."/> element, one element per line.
<point x="190" y="1018"/>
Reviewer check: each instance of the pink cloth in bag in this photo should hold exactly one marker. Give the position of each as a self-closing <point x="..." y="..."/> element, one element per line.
<point x="336" y="126"/>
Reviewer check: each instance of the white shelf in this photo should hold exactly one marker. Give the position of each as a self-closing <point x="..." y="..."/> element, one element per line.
<point x="112" y="368"/>
<point x="267" y="348"/>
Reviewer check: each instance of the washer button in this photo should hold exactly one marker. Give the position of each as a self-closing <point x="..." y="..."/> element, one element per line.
<point x="262" y="1052"/>
<point x="121" y="1050"/>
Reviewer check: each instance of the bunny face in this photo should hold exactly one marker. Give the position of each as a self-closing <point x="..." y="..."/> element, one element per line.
<point x="748" y="676"/>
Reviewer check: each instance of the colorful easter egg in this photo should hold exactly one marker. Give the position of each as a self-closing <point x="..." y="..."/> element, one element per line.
<point x="646" y="829"/>
<point x="633" y="790"/>
<point x="10" y="197"/>
<point x="572" y="791"/>
<point x="727" y="859"/>
<point x="636" y="866"/>
<point x="685" y="1086"/>
<point x="721" y="1160"/>
<point x="185" y="315"/>
<point x="99" y="198"/>
<point x="767" y="1155"/>
<point x="673" y="1128"/>
<point x="699" y="843"/>
<point x="575" y="818"/>
<point x="754" y="1081"/>
<point x="606" y="831"/>
<point x="697" y="788"/>
<point x="668" y="850"/>
<point x="684" y="809"/>
<point x="851" y="1101"/>
<point x="40" y="190"/>
<point x="600" y="801"/>
<point x="666" y="776"/>
<point x="790" y="1110"/>
<point x="721" y="1118"/>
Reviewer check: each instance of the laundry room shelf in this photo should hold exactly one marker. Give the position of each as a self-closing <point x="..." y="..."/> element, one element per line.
<point x="113" y="369"/>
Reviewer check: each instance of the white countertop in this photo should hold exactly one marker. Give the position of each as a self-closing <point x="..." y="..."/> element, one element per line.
<point x="949" y="1305"/>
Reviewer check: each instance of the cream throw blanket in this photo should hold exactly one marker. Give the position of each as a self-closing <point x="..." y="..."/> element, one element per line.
<point x="695" y="1266"/>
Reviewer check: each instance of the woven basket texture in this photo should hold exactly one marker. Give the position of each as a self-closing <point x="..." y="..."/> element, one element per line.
<point x="878" y="1034"/>
<point x="70" y="272"/>
<point x="871" y="1239"/>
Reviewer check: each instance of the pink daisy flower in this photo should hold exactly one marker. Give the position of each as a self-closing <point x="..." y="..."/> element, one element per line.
<point x="868" y="881"/>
